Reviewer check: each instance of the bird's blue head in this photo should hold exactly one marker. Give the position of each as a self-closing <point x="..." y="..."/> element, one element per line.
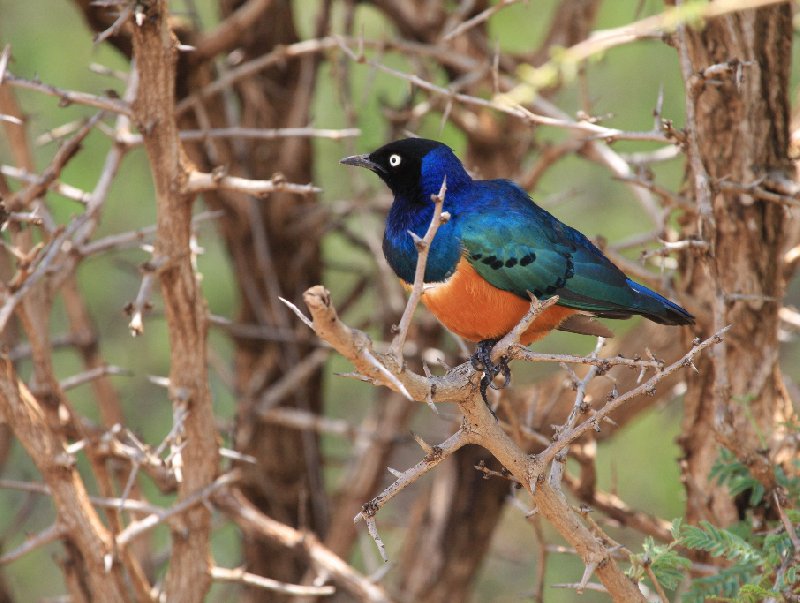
<point x="414" y="168"/>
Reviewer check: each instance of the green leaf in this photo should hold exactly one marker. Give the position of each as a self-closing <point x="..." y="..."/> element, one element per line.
<point x="725" y="584"/>
<point x="675" y="528"/>
<point x="719" y="542"/>
<point x="753" y="593"/>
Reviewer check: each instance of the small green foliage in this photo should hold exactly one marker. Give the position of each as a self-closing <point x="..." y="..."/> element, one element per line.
<point x="761" y="563"/>
<point x="725" y="585"/>
<point x="753" y="593"/>
<point x="667" y="564"/>
<point x="719" y="543"/>
<point x="728" y="471"/>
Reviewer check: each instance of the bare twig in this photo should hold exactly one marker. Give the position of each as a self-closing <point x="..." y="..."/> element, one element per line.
<point x="199" y="182"/>
<point x="758" y="191"/>
<point x="250" y="68"/>
<point x="141" y="526"/>
<point x="503" y="104"/>
<point x="511" y="339"/>
<point x="423" y="246"/>
<point x="256" y="134"/>
<point x="116" y="26"/>
<point x="68" y="191"/>
<point x="432" y="459"/>
<point x="142" y="302"/>
<point x="253" y="520"/>
<point x="69" y="97"/>
<point x="570" y="435"/>
<point x="477" y="19"/>
<point x="239" y="575"/>
<point x="228" y="33"/>
<point x="46" y="536"/>
<point x="92" y="374"/>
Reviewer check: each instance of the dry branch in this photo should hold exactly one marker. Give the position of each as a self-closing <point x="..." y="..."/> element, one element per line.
<point x="479" y="96"/>
<point x="155" y="50"/>
<point x="76" y="518"/>
<point x="252" y="520"/>
<point x="68" y="97"/>
<point x="423" y="246"/>
<point x="223" y="574"/>
<point x="199" y="182"/>
<point x="480" y="427"/>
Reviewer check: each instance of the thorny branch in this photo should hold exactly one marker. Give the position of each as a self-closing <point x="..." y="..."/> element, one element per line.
<point x="63" y="247"/>
<point x="457" y="386"/>
<point x="423" y="246"/>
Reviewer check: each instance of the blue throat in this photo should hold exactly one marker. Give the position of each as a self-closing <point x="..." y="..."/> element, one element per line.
<point x="412" y="210"/>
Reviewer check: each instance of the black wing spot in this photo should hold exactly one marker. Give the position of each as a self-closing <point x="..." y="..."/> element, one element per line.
<point x="537" y="293"/>
<point x="477" y="256"/>
<point x="497" y="265"/>
<point x="510" y="263"/>
<point x="489" y="260"/>
<point x="560" y="283"/>
<point x="570" y="269"/>
<point x="527" y="259"/>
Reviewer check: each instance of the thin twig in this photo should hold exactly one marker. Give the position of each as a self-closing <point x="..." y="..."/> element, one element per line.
<point x="137" y="528"/>
<point x="239" y="575"/>
<point x="502" y="105"/>
<point x="593" y="423"/>
<point x="323" y="559"/>
<point x="511" y="339"/>
<point x="69" y="97"/>
<point x="142" y="302"/>
<point x="91" y="375"/>
<point x="423" y="247"/>
<point x="199" y="182"/>
<point x="66" y="190"/>
<point x="481" y="17"/>
<point x="254" y="134"/>
<point x="46" y="536"/>
<point x="411" y="475"/>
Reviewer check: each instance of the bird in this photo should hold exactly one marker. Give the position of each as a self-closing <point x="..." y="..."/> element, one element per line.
<point x="498" y="248"/>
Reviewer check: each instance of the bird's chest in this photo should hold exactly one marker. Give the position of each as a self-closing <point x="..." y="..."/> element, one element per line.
<point x="474" y="309"/>
<point x="401" y="252"/>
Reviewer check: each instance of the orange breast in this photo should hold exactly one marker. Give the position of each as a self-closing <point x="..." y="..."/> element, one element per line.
<point x="473" y="309"/>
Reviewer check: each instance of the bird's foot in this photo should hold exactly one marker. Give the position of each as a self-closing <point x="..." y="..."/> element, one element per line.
<point x="482" y="361"/>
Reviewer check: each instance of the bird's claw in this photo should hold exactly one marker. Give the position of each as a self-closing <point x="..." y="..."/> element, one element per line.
<point x="482" y="361"/>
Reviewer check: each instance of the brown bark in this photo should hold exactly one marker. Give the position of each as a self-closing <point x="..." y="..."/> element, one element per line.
<point x="741" y="135"/>
<point x="34" y="313"/>
<point x="274" y="256"/>
<point x="155" y="52"/>
<point x="88" y="542"/>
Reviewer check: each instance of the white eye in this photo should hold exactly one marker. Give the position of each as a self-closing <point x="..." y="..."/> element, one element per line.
<point x="394" y="160"/>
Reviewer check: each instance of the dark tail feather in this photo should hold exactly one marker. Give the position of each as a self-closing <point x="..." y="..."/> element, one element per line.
<point x="658" y="308"/>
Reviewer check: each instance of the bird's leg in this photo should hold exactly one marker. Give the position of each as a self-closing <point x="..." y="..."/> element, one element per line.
<point x="482" y="361"/>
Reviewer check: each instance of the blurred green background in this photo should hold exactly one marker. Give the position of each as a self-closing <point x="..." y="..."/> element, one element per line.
<point x="50" y="41"/>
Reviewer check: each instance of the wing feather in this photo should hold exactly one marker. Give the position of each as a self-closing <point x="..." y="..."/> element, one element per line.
<point x="519" y="247"/>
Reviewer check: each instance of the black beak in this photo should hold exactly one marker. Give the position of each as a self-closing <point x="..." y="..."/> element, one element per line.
<point x="363" y="161"/>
